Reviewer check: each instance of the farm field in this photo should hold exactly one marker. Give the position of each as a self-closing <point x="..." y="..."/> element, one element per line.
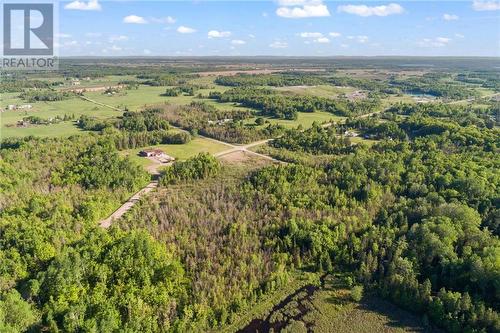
<point x="74" y="107"/>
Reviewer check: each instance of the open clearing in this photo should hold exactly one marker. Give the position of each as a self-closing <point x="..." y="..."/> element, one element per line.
<point x="180" y="152"/>
<point x="329" y="308"/>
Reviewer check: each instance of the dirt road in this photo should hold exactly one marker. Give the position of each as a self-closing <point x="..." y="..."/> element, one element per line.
<point x="128" y="205"/>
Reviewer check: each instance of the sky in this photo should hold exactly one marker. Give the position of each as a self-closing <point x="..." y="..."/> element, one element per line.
<point x="279" y="28"/>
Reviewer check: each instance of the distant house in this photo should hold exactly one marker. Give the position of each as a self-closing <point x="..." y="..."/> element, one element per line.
<point x="351" y="134"/>
<point x="11" y="107"/>
<point x="151" y="152"/>
<point x="157" y="154"/>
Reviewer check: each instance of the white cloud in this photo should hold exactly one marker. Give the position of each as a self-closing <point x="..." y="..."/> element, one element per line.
<point x="82" y="5"/>
<point x="322" y="40"/>
<point x="363" y="10"/>
<point x="443" y="40"/>
<point x="450" y="17"/>
<point x="61" y="35"/>
<point x="459" y="35"/>
<point x="218" y="34"/>
<point x="278" y="45"/>
<point x="311" y="34"/>
<point x="185" y="30"/>
<point x="120" y="38"/>
<point x="302" y="9"/>
<point x="93" y="34"/>
<point x="335" y="34"/>
<point x="134" y="19"/>
<point x="146" y="52"/>
<point x="434" y="42"/>
<point x="238" y="42"/>
<point x="484" y="5"/>
<point x="71" y="43"/>
<point x="167" y="20"/>
<point x="360" y="39"/>
<point x="251" y="35"/>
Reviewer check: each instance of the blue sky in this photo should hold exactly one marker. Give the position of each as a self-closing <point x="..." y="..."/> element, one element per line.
<point x="280" y="27"/>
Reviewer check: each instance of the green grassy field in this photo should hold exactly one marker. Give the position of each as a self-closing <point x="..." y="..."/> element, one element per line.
<point x="71" y="107"/>
<point x="332" y="310"/>
<point x="180" y="152"/>
<point x="302" y="307"/>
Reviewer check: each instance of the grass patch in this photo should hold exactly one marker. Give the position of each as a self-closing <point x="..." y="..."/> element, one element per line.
<point x="180" y="152"/>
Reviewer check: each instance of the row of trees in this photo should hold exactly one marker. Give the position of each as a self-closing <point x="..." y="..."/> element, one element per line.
<point x="431" y="86"/>
<point x="44" y="95"/>
<point x="274" y="80"/>
<point x="225" y="125"/>
<point x="276" y="105"/>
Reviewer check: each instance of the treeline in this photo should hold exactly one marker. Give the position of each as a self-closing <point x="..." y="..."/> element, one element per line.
<point x="315" y="140"/>
<point x="199" y="167"/>
<point x="16" y="85"/>
<point x="464" y="115"/>
<point x="125" y="137"/>
<point x="276" y="105"/>
<point x="423" y="85"/>
<point x="156" y="80"/>
<point x="486" y="79"/>
<point x="36" y="120"/>
<point x="130" y="140"/>
<point x="147" y="120"/>
<point x="224" y="125"/>
<point x="274" y="80"/>
<point x="189" y="90"/>
<point x="45" y="95"/>
<point x="452" y="135"/>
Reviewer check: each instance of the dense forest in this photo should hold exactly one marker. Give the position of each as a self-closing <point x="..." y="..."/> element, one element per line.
<point x="275" y="80"/>
<point x="414" y="218"/>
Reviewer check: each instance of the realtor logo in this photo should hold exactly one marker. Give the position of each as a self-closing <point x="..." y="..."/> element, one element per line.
<point x="28" y="35"/>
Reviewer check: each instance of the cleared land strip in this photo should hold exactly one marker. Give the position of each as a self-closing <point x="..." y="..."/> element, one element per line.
<point x="128" y="205"/>
<point x="99" y="103"/>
